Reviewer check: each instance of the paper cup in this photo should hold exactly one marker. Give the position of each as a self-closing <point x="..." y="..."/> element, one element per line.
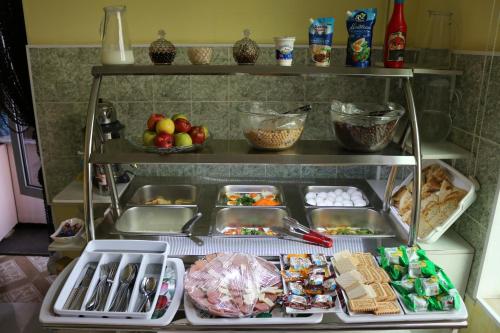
<point x="284" y="50"/>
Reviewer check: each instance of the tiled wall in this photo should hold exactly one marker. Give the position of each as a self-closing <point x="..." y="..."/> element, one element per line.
<point x="476" y="127"/>
<point x="61" y="81"/>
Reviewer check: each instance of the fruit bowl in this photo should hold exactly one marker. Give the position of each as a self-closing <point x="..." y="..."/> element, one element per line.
<point x="137" y="142"/>
<point x="269" y="130"/>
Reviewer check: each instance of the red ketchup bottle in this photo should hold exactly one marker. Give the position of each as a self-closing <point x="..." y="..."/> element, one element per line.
<point x="395" y="37"/>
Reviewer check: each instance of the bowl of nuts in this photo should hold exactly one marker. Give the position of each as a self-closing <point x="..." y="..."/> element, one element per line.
<point x="365" y="127"/>
<point x="270" y="130"/>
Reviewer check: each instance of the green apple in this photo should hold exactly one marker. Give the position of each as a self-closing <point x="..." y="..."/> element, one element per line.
<point x="182" y="139"/>
<point x="166" y="125"/>
<point x="179" y="116"/>
<point x="205" y="130"/>
<point x="148" y="138"/>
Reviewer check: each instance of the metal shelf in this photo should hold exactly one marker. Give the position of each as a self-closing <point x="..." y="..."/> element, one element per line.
<point x="431" y="71"/>
<point x="442" y="151"/>
<point x="248" y="69"/>
<point x="238" y="151"/>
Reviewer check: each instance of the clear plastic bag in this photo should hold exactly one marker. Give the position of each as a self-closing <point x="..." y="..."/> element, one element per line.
<point x="233" y="284"/>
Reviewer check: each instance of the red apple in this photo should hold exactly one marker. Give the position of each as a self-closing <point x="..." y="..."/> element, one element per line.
<point x="197" y="134"/>
<point x="182" y="125"/>
<point x="164" y="140"/>
<point x="153" y="119"/>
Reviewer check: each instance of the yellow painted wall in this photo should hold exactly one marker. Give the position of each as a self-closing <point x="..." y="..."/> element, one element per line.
<point x="221" y="21"/>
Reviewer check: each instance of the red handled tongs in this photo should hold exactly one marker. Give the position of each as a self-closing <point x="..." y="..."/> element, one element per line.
<point x="295" y="229"/>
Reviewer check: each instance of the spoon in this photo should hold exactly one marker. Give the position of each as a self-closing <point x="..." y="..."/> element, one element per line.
<point x="148" y="287"/>
<point x="126" y="277"/>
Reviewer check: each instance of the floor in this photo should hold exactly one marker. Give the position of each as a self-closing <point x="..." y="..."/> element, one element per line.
<point x="23" y="284"/>
<point x="30" y="239"/>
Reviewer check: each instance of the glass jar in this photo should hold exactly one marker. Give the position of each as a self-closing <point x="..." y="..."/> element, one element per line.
<point x="436" y="52"/>
<point x="162" y="51"/>
<point x="246" y="51"/>
<point x="116" y="48"/>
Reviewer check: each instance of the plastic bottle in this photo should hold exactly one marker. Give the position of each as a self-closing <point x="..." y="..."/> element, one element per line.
<point x="395" y="37"/>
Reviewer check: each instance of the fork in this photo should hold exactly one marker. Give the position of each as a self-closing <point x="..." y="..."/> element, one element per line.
<point x="107" y="286"/>
<point x="95" y="299"/>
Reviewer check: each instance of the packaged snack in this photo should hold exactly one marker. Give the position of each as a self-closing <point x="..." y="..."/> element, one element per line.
<point x="296" y="288"/>
<point x="319" y="259"/>
<point x="297" y="302"/>
<point x="325" y="271"/>
<point x="320" y="40"/>
<point x="290" y="275"/>
<point x="360" y="23"/>
<point x="396" y="272"/>
<point x="444" y="281"/>
<point x="421" y="268"/>
<point x="322" y="301"/>
<point x="315" y="280"/>
<point x="393" y="256"/>
<point x="405" y="286"/>
<point x="416" y="303"/>
<point x="329" y="285"/>
<point x="314" y="290"/>
<point x="448" y="301"/>
<point x="298" y="263"/>
<point x="427" y="286"/>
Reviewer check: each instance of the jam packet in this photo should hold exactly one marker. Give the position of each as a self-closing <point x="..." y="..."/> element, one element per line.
<point x="320" y="40"/>
<point x="360" y="23"/>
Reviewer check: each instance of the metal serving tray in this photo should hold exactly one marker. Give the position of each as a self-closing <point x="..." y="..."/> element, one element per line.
<point x="319" y="218"/>
<point x="154" y="220"/>
<point x="320" y="188"/>
<point x="236" y="217"/>
<point x="170" y="192"/>
<point x="248" y="189"/>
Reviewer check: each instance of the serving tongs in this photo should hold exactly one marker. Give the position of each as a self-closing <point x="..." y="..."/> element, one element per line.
<point x="297" y="230"/>
<point x="188" y="229"/>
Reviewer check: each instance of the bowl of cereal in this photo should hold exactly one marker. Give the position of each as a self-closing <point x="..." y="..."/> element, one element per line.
<point x="269" y="130"/>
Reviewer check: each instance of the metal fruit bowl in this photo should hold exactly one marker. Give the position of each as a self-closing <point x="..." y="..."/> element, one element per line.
<point x="137" y="143"/>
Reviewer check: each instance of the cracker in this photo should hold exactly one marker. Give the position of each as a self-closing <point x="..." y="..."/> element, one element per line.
<point x="383" y="274"/>
<point x="368" y="277"/>
<point x="380" y="294"/>
<point x="384" y="308"/>
<point x="362" y="305"/>
<point x="390" y="294"/>
<point x="377" y="278"/>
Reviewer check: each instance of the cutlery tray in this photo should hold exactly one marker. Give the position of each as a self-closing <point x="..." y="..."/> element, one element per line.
<point x="150" y="257"/>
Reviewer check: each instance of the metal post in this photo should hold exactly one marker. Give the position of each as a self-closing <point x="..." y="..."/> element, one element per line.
<point x="389" y="187"/>
<point x="115" y="204"/>
<point x="87" y="171"/>
<point x="417" y="174"/>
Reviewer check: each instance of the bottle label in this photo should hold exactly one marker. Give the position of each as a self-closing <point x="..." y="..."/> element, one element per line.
<point x="396" y="46"/>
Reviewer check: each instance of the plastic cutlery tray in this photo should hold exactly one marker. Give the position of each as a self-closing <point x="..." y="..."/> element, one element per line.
<point x="151" y="258"/>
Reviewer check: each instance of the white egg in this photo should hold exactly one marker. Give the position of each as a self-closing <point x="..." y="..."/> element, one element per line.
<point x="345" y="195"/>
<point x="338" y="192"/>
<point x="338" y="203"/>
<point x="322" y="195"/>
<point x="333" y="197"/>
<point x="356" y="192"/>
<point x="359" y="203"/>
<point x="356" y="196"/>
<point x="311" y="202"/>
<point x="311" y="195"/>
<point x="351" y="190"/>
<point x="322" y="203"/>
<point x="331" y="194"/>
<point x="328" y="202"/>
<point x="347" y="201"/>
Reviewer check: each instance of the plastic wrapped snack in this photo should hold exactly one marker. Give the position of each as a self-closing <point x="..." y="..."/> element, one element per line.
<point x="233" y="284"/>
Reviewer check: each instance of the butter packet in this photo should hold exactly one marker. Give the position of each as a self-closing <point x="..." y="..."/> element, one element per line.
<point x="427" y="286"/>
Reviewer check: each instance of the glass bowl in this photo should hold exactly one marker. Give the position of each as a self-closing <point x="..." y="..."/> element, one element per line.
<point x="269" y="130"/>
<point x="365" y="127"/>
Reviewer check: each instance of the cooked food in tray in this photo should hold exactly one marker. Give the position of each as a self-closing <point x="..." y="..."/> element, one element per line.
<point x="233" y="285"/>
<point x="310" y="282"/>
<point x="365" y="285"/>
<point x="160" y="200"/>
<point x="440" y="198"/>
<point x="248" y="231"/>
<point x="252" y="199"/>
<point x="421" y="284"/>
<point x="345" y="231"/>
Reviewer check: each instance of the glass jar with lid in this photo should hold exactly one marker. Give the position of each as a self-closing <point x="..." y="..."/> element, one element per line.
<point x="246" y="51"/>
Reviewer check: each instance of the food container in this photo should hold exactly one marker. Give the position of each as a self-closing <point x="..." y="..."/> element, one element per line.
<point x="153" y="221"/>
<point x="333" y="194"/>
<point x="246" y="51"/>
<point x="200" y="55"/>
<point x="162" y="51"/>
<point x="365" y="127"/>
<point x="229" y="220"/>
<point x="72" y="223"/>
<point x="284" y="50"/>
<point x="269" y="130"/>
<point x="164" y="195"/>
<point x="224" y="191"/>
<point x="320" y="219"/>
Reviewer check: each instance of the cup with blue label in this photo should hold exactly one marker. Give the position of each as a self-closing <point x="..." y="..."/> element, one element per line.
<point x="284" y="50"/>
